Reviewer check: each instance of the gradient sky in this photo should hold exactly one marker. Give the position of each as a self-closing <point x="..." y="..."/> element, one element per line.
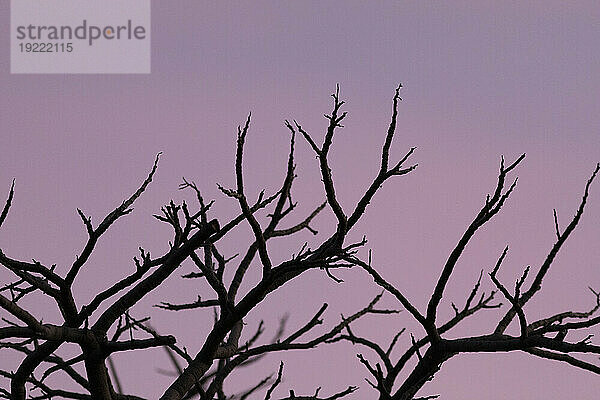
<point x="481" y="79"/>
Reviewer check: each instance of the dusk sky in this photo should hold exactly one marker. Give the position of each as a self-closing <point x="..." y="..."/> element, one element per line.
<point x="480" y="79"/>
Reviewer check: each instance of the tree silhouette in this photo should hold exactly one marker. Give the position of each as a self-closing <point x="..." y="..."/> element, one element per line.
<point x="105" y="325"/>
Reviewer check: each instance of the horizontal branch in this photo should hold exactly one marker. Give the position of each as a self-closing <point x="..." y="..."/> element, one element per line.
<point x="138" y="344"/>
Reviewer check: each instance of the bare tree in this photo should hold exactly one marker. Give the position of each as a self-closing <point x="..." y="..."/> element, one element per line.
<point x="100" y="328"/>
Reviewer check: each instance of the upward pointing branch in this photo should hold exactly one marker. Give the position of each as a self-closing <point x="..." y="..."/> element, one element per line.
<point x="384" y="171"/>
<point x="491" y="207"/>
<point x="536" y="285"/>
<point x="385" y="153"/>
<point x="334" y="122"/>
<point x="8" y="203"/>
<point x="256" y="229"/>
<point x="94" y="234"/>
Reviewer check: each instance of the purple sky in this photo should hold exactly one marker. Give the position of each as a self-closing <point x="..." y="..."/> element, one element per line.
<point x="481" y="79"/>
